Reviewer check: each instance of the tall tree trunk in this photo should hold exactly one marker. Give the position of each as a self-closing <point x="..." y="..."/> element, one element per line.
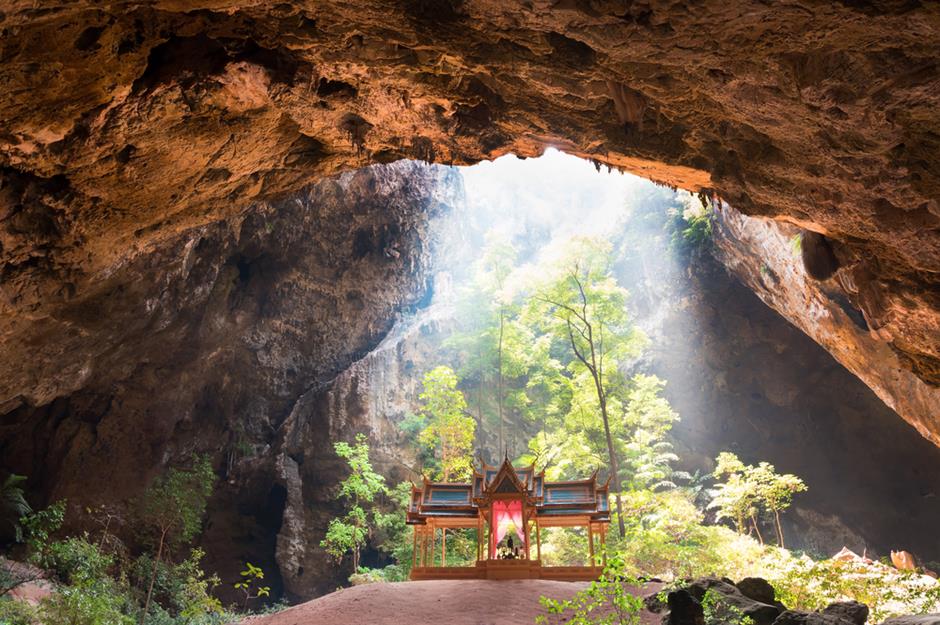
<point x="499" y="381"/>
<point x="779" y="528"/>
<point x="153" y="576"/>
<point x="614" y="470"/>
<point x="757" y="529"/>
<point x="480" y="434"/>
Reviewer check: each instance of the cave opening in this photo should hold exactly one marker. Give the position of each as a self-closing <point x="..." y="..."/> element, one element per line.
<point x="716" y="370"/>
<point x="235" y="237"/>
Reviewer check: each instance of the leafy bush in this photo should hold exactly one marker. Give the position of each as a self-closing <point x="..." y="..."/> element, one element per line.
<point x="605" y="602"/>
<point x="806" y="584"/>
<point x="77" y="561"/>
<point x="14" y="612"/>
<point x="13" y="505"/>
<point x="39" y="527"/>
<point x="690" y="226"/>
<point x="718" y="611"/>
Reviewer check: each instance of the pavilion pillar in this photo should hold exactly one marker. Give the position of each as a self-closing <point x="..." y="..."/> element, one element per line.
<point x="538" y="540"/>
<point x="414" y="547"/>
<point x="443" y="546"/>
<point x="604" y="545"/>
<point x="591" y="543"/>
<point x="525" y="526"/>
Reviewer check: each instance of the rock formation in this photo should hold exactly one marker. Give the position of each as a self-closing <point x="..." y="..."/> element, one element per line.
<point x="128" y="123"/>
<point x="172" y="280"/>
<point x="214" y="343"/>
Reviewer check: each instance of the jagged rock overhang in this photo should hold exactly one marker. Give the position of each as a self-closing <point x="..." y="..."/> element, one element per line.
<point x="127" y="125"/>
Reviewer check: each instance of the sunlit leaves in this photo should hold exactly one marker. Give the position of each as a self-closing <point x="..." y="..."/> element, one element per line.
<point x="449" y="429"/>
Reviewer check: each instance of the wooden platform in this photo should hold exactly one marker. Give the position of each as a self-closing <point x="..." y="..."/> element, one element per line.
<point x="509" y="569"/>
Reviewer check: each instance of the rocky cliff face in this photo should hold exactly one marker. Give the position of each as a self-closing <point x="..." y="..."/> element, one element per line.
<point x="767" y="256"/>
<point x="748" y="380"/>
<point x="128" y="124"/>
<point x="214" y="344"/>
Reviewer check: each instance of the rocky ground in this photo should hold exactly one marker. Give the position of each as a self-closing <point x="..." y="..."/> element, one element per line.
<point x="477" y="602"/>
<point x="454" y="602"/>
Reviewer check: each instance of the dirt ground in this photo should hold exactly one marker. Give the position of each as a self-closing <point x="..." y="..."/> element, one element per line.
<point x="446" y="602"/>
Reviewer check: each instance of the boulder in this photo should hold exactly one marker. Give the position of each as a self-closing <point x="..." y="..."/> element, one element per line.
<point x="851" y="611"/>
<point x="757" y="589"/>
<point x="733" y="604"/>
<point x="914" y="619"/>
<point x="796" y="617"/>
<point x="684" y="609"/>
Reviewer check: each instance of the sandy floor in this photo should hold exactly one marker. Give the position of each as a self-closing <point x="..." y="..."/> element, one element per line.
<point x="450" y="602"/>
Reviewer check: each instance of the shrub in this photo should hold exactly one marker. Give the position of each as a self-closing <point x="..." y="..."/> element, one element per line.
<point x="39" y="527"/>
<point x="605" y="602"/>
<point x="806" y="584"/>
<point x="13" y="612"/>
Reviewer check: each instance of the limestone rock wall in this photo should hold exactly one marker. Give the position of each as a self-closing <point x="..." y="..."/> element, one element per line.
<point x="213" y="343"/>
<point x="128" y="123"/>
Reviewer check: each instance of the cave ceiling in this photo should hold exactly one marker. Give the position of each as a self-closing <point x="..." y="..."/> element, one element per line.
<point x="124" y="124"/>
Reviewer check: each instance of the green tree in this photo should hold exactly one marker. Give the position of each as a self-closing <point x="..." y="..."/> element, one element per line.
<point x="583" y="306"/>
<point x="449" y="430"/>
<point x="648" y="418"/>
<point x="349" y="533"/>
<point x="172" y="509"/>
<point x="749" y="489"/>
<point x="13" y="505"/>
<point x="775" y="491"/>
<point x="737" y="497"/>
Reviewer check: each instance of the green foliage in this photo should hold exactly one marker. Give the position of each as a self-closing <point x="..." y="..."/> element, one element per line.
<point x="394" y="536"/>
<point x="347" y="534"/>
<point x="690" y="225"/>
<point x="605" y="602"/>
<point x="748" y="490"/>
<point x="14" y="612"/>
<point x="77" y="561"/>
<point x="718" y="611"/>
<point x="666" y="538"/>
<point x="39" y="527"/>
<point x="174" y="503"/>
<point x="96" y="587"/>
<point x="172" y="507"/>
<point x="449" y="429"/>
<point x="250" y="583"/>
<point x="89" y="595"/>
<point x="803" y="583"/>
<point x="13" y="504"/>
<point x="796" y="244"/>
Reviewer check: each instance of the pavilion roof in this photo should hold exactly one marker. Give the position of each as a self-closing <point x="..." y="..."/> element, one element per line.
<point x="447" y="500"/>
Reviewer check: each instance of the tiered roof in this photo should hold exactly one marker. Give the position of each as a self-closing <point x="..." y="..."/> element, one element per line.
<point x="458" y="500"/>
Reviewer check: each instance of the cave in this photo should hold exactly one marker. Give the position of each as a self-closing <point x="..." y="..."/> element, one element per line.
<point x="227" y="230"/>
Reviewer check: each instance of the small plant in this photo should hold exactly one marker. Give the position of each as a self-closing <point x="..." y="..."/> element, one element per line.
<point x="39" y="527"/>
<point x="605" y="602"/>
<point x="250" y="584"/>
<point x="717" y="611"/>
<point x="13" y="505"/>
<point x="796" y="245"/>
